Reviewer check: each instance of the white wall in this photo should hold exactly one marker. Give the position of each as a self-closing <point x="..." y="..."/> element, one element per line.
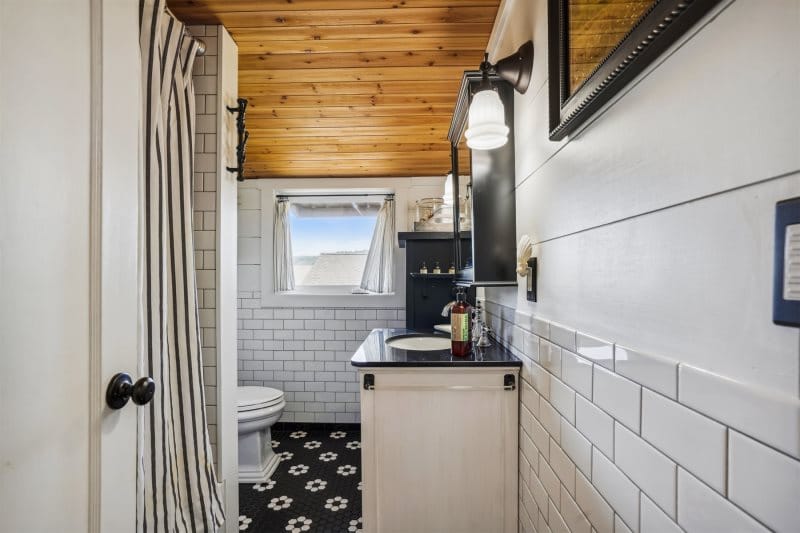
<point x="205" y="76"/>
<point x="302" y="345"/>
<point x="215" y="77"/>
<point x="653" y="228"/>
<point x="227" y="243"/>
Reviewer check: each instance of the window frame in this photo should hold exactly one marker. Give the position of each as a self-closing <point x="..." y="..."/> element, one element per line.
<point x="328" y="295"/>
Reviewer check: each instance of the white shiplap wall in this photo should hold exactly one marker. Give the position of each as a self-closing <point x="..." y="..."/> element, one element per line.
<point x="654" y="231"/>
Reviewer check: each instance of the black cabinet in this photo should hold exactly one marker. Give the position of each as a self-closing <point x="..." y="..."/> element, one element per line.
<point x="488" y="256"/>
<point x="427" y="294"/>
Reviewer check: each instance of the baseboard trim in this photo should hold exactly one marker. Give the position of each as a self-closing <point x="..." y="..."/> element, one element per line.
<point x="306" y="426"/>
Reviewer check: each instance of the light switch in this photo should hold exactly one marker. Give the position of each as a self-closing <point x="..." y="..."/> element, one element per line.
<point x="791" y="264"/>
<point x="786" y="294"/>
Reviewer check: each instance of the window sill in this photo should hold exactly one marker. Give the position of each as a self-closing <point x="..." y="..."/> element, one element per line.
<point x="332" y="297"/>
<point x="337" y="294"/>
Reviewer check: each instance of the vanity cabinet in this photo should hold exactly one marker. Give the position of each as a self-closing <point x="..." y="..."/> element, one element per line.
<point x="439" y="449"/>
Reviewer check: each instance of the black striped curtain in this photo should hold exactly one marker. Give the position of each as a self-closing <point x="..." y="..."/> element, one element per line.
<point x="176" y="482"/>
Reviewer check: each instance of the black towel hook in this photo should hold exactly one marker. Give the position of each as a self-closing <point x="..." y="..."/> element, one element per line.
<point x="243" y="135"/>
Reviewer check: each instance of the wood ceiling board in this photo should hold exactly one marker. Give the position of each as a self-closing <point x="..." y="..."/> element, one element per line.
<point x="419" y="133"/>
<point x="364" y="149"/>
<point x="406" y="88"/>
<point x="344" y="137"/>
<point x="314" y="75"/>
<point x="340" y="17"/>
<point x="351" y="60"/>
<point x="194" y="10"/>
<point x="306" y="102"/>
<point x="366" y="156"/>
<point x="354" y="88"/>
<point x="260" y="122"/>
<point x="278" y="112"/>
<point x="410" y="33"/>
<point x="399" y="44"/>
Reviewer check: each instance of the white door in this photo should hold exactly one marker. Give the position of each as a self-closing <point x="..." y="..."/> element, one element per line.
<point x="69" y="110"/>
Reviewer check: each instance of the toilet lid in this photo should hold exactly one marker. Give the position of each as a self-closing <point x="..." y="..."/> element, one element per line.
<point x="256" y="397"/>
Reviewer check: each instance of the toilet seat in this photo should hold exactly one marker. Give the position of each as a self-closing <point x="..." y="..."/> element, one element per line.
<point x="253" y="398"/>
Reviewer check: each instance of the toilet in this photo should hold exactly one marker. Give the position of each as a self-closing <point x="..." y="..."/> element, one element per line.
<point x="258" y="409"/>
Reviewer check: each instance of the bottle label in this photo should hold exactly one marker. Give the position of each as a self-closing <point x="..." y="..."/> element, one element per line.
<point x="459" y="323"/>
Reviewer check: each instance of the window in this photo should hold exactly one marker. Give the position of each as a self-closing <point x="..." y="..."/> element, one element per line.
<point x="330" y="238"/>
<point x="287" y="226"/>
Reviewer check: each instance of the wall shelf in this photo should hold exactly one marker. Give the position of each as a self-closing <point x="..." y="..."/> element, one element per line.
<point x="418" y="275"/>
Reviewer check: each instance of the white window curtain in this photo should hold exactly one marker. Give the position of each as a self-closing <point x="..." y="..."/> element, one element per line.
<point x="284" y="268"/>
<point x="379" y="270"/>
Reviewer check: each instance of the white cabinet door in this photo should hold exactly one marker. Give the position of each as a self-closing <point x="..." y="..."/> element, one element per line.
<point x="439" y="450"/>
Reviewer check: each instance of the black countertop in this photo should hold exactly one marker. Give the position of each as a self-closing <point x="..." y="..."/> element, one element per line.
<point x="374" y="352"/>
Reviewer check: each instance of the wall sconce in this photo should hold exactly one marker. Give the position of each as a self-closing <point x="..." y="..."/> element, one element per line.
<point x="487" y="128"/>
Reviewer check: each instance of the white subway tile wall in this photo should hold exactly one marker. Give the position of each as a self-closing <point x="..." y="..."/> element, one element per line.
<point x="205" y="214"/>
<point x="629" y="454"/>
<point x="306" y="353"/>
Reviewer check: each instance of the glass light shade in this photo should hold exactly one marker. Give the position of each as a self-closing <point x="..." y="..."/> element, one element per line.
<point x="447" y="198"/>
<point x="487" y="127"/>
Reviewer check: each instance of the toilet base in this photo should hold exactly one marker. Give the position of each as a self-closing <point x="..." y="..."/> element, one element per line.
<point x="257" y="461"/>
<point x="248" y="474"/>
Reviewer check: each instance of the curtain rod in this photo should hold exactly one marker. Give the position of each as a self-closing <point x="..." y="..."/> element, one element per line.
<point x="323" y="195"/>
<point x="201" y="45"/>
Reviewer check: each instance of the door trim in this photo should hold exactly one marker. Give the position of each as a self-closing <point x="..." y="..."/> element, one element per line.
<point x="95" y="265"/>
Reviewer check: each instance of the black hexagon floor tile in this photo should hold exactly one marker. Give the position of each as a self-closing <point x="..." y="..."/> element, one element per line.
<point x="316" y="487"/>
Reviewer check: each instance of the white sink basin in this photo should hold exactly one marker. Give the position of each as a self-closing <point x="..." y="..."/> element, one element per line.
<point x="420" y="343"/>
<point x="444" y="328"/>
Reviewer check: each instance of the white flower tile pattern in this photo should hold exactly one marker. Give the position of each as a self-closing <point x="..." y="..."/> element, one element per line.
<point x="336" y="504"/>
<point x="261" y="487"/>
<point x="298" y="470"/>
<point x="316" y="487"/>
<point x="346" y="470"/>
<point x="301" y="523"/>
<point x="281" y="502"/>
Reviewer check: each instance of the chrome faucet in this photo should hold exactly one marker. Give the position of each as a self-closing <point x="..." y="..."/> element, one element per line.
<point x="480" y="331"/>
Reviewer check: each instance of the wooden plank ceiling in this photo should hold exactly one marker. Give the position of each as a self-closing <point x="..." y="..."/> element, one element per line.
<point x="349" y="88"/>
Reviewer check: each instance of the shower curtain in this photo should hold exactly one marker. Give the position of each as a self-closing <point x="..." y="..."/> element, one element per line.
<point x="177" y="488"/>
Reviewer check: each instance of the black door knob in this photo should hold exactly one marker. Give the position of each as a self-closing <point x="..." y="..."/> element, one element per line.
<point x="121" y="388"/>
<point x="143" y="390"/>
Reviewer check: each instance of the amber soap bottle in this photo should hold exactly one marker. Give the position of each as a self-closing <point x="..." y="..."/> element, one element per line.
<point x="461" y="345"/>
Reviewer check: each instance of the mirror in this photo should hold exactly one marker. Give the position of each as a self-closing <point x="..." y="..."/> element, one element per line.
<point x="597" y="47"/>
<point x="464" y="186"/>
<point x="595" y="28"/>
